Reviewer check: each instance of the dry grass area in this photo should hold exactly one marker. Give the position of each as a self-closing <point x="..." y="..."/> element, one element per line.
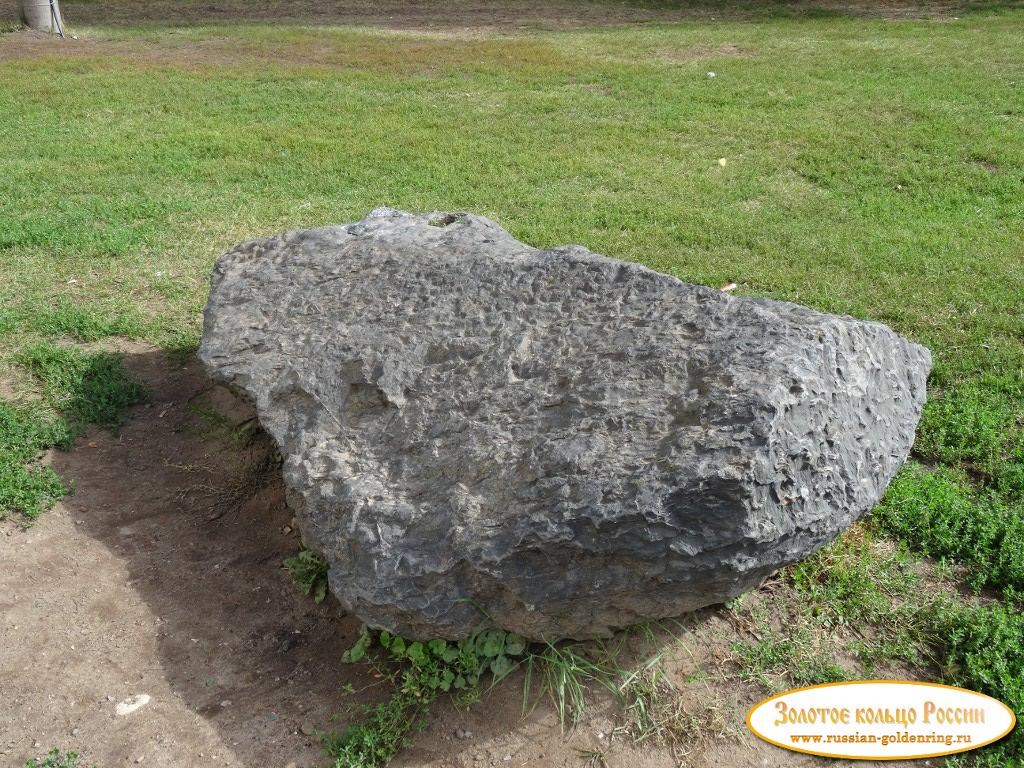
<point x="475" y="14"/>
<point x="328" y="49"/>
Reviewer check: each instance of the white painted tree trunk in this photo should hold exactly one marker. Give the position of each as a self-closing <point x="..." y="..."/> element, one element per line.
<point x="37" y="14"/>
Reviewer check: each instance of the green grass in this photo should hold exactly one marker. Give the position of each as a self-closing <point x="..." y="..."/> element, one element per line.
<point x="859" y="599"/>
<point x="66" y="318"/>
<point x="979" y="425"/>
<point x="984" y="651"/>
<point x="941" y="514"/>
<point x="873" y="167"/>
<point x="86" y="388"/>
<point x="786" y="659"/>
<point x="26" y="487"/>
<point x="164" y="166"/>
<point x="77" y="388"/>
<point x="862" y="600"/>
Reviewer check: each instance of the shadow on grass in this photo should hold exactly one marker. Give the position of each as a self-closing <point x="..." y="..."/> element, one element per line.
<point x="84" y="387"/>
<point x="78" y="388"/>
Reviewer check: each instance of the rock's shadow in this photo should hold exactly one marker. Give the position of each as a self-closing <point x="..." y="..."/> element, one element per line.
<point x="187" y="495"/>
<point x="192" y="504"/>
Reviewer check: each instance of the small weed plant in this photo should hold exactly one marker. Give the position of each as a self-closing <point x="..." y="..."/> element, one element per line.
<point x="420" y="673"/>
<point x="55" y="758"/>
<point x="565" y="673"/>
<point x="309" y="571"/>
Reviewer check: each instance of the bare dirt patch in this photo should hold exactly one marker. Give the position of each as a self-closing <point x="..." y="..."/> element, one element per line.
<point x="161" y="576"/>
<point x="469" y="14"/>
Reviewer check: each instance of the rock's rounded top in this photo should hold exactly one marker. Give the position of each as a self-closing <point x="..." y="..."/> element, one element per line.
<point x="563" y="442"/>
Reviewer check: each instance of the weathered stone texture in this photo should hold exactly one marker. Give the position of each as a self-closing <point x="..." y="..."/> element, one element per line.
<point x="558" y="441"/>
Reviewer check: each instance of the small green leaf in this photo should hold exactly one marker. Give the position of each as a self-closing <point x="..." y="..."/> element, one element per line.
<point x="320" y="591"/>
<point x="514" y="645"/>
<point x="501" y="666"/>
<point x="438" y="647"/>
<point x="491" y="644"/>
<point x="358" y="651"/>
<point x="416" y="652"/>
<point x="385" y="638"/>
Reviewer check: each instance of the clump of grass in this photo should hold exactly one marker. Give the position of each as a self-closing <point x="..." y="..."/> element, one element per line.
<point x="782" y="659"/>
<point x="85" y="387"/>
<point x="309" y="571"/>
<point x="983" y="649"/>
<point x="385" y="731"/>
<point x="26" y="487"/>
<point x="654" y="711"/>
<point x="677" y="720"/>
<point x="861" y="581"/>
<point x="978" y="425"/>
<point x="939" y="513"/>
<point x="79" y="388"/>
<point x="566" y="672"/>
<point x="854" y="579"/>
<point x="860" y="596"/>
<point x="651" y="708"/>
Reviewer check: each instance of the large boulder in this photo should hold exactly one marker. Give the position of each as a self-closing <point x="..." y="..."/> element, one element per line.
<point x="475" y="431"/>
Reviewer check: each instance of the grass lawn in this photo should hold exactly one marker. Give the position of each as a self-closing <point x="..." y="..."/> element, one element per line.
<point x="861" y="165"/>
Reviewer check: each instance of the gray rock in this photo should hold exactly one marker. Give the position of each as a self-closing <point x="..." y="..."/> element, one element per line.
<point x="474" y="430"/>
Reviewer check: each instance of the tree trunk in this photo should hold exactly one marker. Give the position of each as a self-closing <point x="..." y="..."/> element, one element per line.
<point x="38" y="14"/>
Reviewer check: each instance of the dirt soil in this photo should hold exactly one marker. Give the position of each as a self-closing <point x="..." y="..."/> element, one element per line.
<point x="161" y="576"/>
<point x="466" y="14"/>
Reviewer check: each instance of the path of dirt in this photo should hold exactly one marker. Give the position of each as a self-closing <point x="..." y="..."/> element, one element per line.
<point x="161" y="576"/>
<point x="468" y="14"/>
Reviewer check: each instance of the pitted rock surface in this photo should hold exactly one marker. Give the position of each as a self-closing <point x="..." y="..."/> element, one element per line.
<point x="476" y="431"/>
